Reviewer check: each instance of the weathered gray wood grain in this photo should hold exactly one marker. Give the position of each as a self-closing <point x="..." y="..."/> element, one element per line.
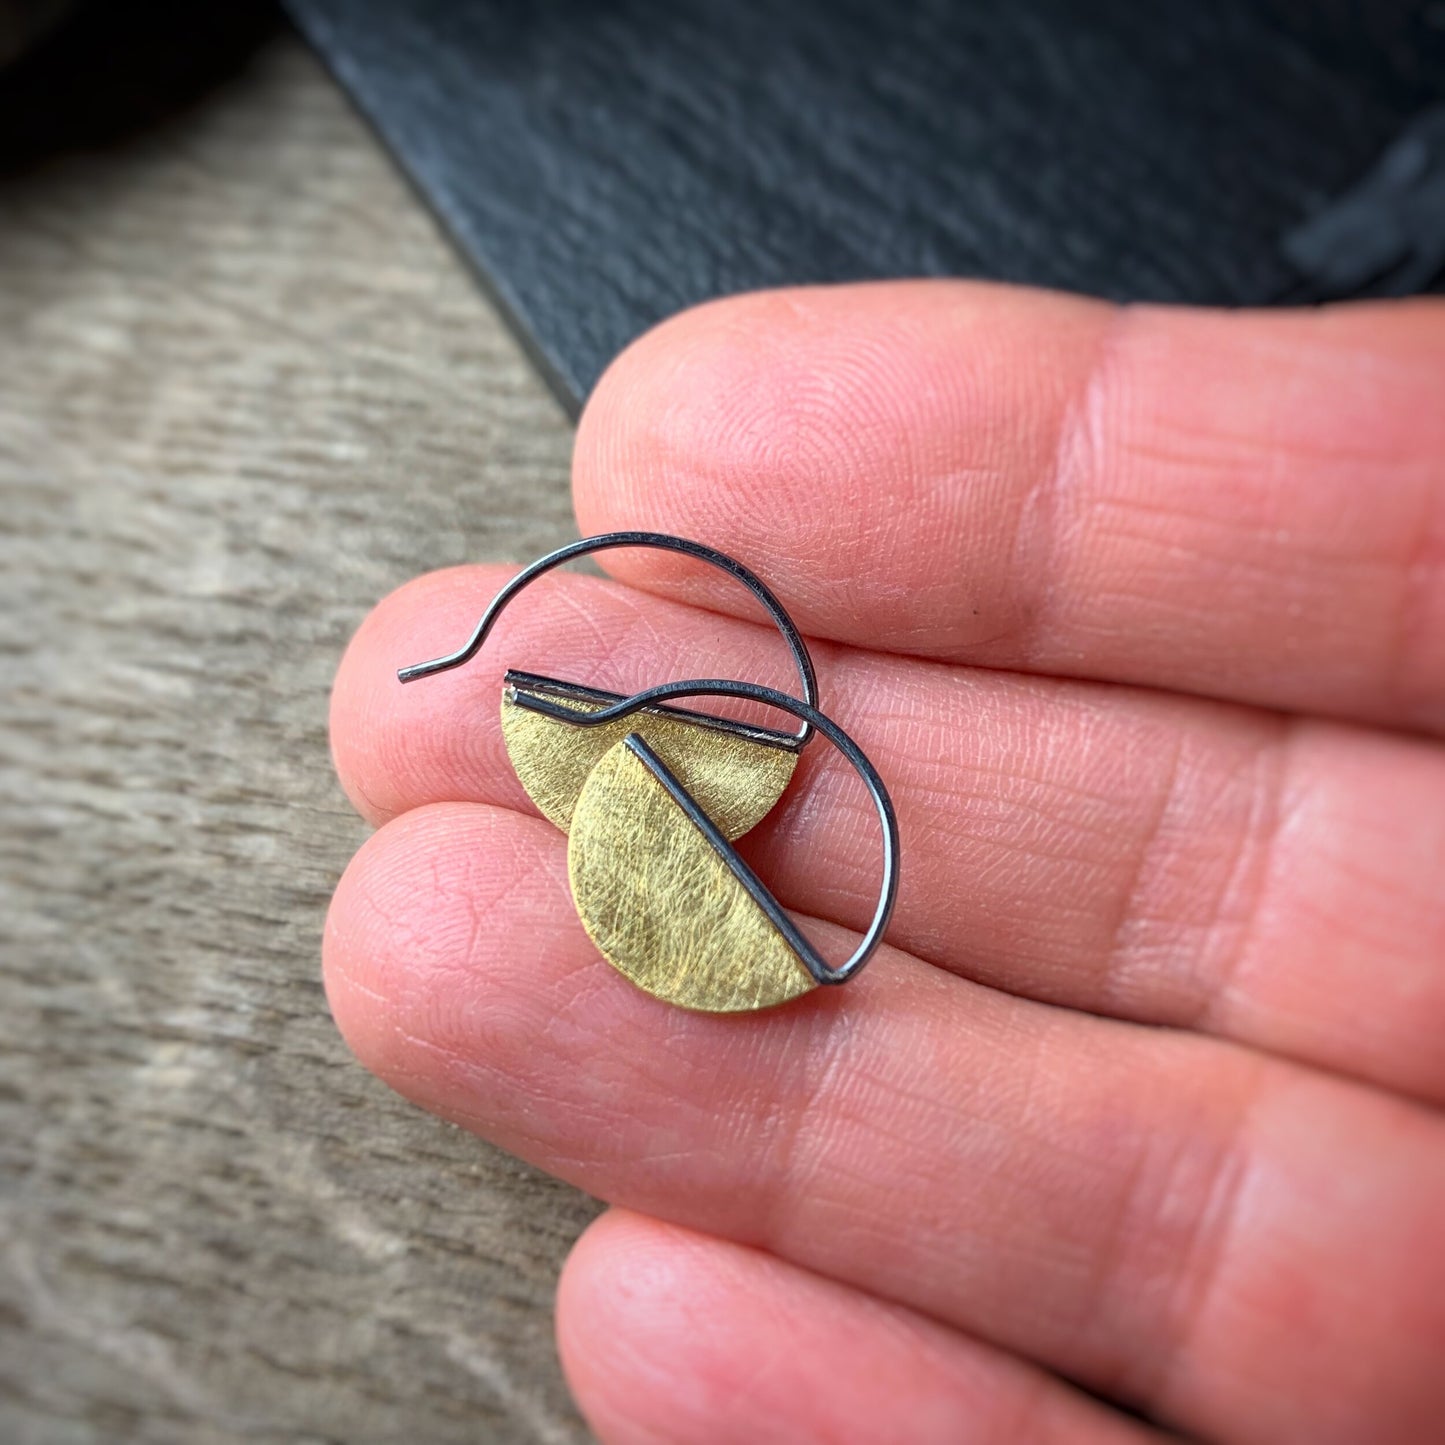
<point x="244" y="390"/>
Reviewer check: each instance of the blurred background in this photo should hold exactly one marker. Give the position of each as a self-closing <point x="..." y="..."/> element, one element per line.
<point x="298" y="301"/>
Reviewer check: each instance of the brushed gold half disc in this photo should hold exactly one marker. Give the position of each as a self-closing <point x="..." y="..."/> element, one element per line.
<point x="661" y="903"/>
<point x="735" y="779"/>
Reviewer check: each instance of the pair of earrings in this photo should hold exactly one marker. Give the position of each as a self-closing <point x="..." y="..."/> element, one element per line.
<point x="652" y="795"/>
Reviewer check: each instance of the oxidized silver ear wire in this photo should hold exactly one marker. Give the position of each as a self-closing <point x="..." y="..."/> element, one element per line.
<point x="651" y="797"/>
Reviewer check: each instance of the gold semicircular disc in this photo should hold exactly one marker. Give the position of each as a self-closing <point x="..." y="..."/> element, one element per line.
<point x="662" y="904"/>
<point x="735" y="775"/>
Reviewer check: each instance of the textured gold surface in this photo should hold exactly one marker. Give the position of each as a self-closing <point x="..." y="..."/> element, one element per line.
<point x="734" y="779"/>
<point x="663" y="906"/>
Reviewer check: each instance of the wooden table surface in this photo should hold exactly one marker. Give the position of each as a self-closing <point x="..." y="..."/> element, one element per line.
<point x="245" y="389"/>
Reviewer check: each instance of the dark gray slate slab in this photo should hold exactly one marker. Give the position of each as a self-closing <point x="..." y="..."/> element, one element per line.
<point x="607" y="163"/>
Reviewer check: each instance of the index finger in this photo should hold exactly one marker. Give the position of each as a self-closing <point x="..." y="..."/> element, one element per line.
<point x="1244" y="505"/>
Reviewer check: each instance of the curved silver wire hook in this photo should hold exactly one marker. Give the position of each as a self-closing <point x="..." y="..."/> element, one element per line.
<point x="813" y="961"/>
<point x="661" y="541"/>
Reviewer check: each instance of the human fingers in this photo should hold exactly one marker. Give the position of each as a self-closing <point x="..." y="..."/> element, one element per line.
<point x="1157" y="1215"/>
<point x="1129" y="852"/>
<point x="1246" y="505"/>
<point x="670" y="1337"/>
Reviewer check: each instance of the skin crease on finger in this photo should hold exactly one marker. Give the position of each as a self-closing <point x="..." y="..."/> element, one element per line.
<point x="1124" y="851"/>
<point x="672" y="1338"/>
<point x="1246" y="1247"/>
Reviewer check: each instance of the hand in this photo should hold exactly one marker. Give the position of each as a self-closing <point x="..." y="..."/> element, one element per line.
<point x="1141" y="614"/>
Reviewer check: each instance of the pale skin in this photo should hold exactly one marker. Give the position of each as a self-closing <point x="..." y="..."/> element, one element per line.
<point x="1141" y="614"/>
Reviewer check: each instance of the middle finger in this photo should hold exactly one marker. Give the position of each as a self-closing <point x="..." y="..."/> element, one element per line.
<point x="1140" y="854"/>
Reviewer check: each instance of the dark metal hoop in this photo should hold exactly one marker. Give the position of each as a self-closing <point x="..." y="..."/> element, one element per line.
<point x="661" y="541"/>
<point x="810" y="716"/>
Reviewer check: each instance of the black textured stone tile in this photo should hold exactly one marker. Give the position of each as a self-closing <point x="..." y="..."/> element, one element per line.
<point x="605" y="164"/>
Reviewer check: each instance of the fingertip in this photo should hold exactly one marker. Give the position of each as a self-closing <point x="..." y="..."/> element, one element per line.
<point x="610" y="1282"/>
<point x="636" y="1307"/>
<point x="350" y="956"/>
<point x="414" y="959"/>
<point x="1244" y="505"/>
<point x="670" y="1337"/>
<point x="396" y="745"/>
<point x="762" y="422"/>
